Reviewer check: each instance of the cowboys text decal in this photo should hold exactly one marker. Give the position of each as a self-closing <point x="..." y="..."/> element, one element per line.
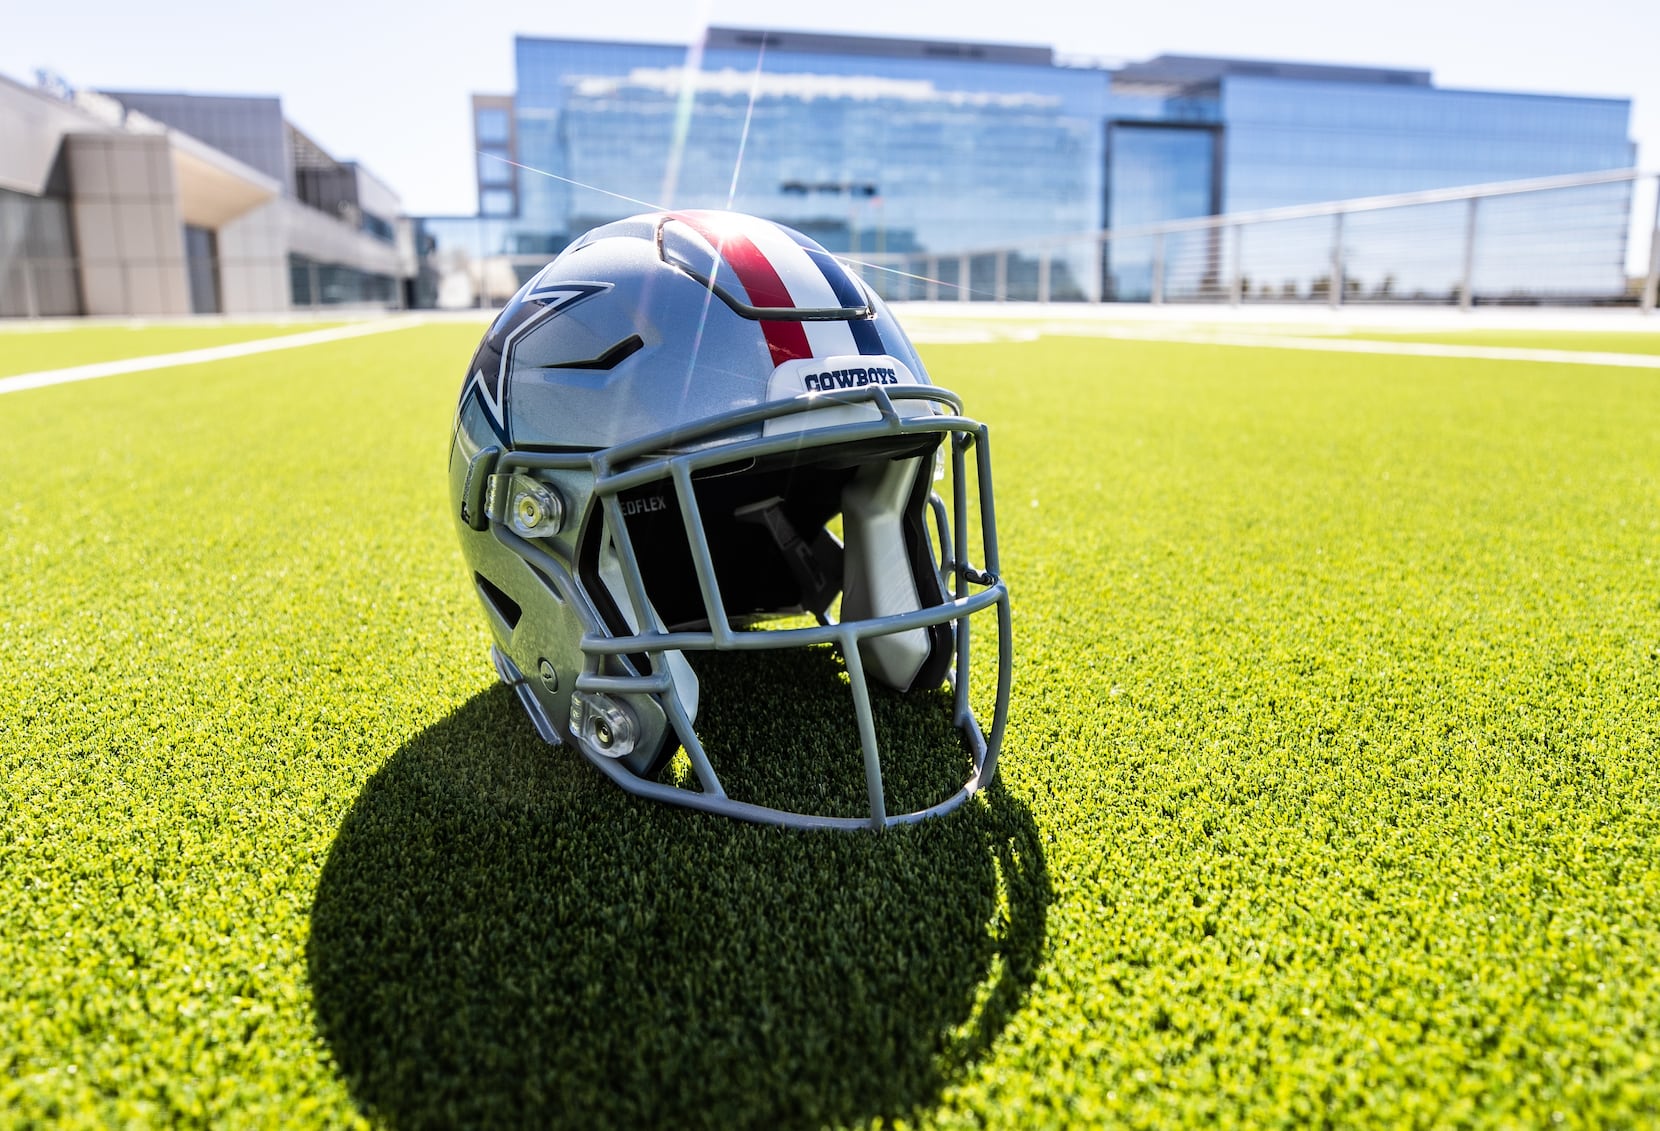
<point x="855" y="378"/>
<point x="811" y="375"/>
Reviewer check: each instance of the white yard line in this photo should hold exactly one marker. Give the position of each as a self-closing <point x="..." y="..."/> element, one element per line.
<point x="923" y="330"/>
<point x="194" y="357"/>
<point x="1007" y="323"/>
<point x="1360" y="345"/>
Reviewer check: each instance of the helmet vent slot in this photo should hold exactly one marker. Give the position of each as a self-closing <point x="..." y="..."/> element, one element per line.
<point x="610" y="359"/>
<point x="505" y="608"/>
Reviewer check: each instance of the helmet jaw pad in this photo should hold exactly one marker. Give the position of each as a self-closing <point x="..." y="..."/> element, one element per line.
<point x="889" y="569"/>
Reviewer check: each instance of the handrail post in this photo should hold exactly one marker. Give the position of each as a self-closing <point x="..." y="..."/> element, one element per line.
<point x="1236" y="285"/>
<point x="1157" y="296"/>
<point x="1337" y="261"/>
<point x="1651" y="288"/>
<point x="1466" y="294"/>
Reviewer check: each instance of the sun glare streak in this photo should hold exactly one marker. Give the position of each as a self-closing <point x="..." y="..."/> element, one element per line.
<point x="703" y="317"/>
<point x="909" y="275"/>
<point x="749" y="116"/>
<point x="731" y="194"/>
<point x="684" y="103"/>
<point x="567" y="180"/>
<point x="684" y="107"/>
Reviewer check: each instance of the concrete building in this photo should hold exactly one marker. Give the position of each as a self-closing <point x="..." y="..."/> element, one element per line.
<point x="127" y="203"/>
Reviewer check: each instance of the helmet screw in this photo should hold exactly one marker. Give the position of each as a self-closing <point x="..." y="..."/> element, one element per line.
<point x="535" y="507"/>
<point x="602" y="733"/>
<point x="530" y="510"/>
<point x="550" y="676"/>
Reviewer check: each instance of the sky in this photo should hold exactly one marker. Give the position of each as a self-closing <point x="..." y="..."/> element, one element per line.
<point x="388" y="83"/>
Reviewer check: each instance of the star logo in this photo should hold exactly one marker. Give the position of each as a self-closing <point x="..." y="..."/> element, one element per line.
<point x="537" y="305"/>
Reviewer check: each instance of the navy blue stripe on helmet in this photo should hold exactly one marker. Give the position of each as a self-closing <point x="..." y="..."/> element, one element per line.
<point x="847" y="292"/>
<point x="865" y="336"/>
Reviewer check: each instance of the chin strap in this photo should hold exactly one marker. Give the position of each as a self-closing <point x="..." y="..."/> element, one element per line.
<point x="816" y="566"/>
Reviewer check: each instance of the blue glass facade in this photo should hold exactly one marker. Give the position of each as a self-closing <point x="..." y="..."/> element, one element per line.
<point x="1292" y="141"/>
<point x="865" y="152"/>
<point x="883" y="145"/>
<point x="1155" y="173"/>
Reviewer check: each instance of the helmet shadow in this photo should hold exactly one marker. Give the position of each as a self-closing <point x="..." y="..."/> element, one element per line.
<point x="780" y="729"/>
<point x="501" y="937"/>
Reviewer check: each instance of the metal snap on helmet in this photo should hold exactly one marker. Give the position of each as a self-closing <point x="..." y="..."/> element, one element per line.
<point x="653" y="443"/>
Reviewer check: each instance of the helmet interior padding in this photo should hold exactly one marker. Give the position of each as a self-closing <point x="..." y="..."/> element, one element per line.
<point x="765" y="523"/>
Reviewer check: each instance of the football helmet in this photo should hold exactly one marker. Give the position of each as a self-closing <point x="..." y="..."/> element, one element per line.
<point x="653" y="445"/>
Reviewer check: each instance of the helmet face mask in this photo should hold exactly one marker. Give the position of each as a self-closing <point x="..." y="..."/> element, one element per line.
<point x="653" y="444"/>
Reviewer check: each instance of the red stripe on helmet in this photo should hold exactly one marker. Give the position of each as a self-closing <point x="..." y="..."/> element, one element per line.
<point x="786" y="340"/>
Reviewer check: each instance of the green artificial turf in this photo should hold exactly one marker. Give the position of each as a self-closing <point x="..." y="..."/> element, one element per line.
<point x="29" y="349"/>
<point x="1330" y="791"/>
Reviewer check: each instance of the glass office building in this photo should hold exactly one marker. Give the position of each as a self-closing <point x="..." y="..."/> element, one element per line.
<point x="876" y="145"/>
<point x="865" y="149"/>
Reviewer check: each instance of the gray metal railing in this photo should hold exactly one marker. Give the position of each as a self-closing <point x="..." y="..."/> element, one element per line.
<point x="1543" y="240"/>
<point x="1572" y="239"/>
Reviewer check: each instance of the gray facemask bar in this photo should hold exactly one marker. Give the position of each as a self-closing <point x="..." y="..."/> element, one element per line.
<point x="654" y="638"/>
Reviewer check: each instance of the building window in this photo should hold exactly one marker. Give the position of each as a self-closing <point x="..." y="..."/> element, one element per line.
<point x="39" y="274"/>
<point x="491" y="126"/>
<point x="496" y="202"/>
<point x="201" y="249"/>
<point x="377" y="227"/>
<point x="312" y="283"/>
<point x="493" y="168"/>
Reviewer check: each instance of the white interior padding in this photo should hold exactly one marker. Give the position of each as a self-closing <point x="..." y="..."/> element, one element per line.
<point x="876" y="570"/>
<point x="611" y="573"/>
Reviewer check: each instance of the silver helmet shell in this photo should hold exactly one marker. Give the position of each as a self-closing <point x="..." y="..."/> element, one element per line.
<point x="652" y="443"/>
